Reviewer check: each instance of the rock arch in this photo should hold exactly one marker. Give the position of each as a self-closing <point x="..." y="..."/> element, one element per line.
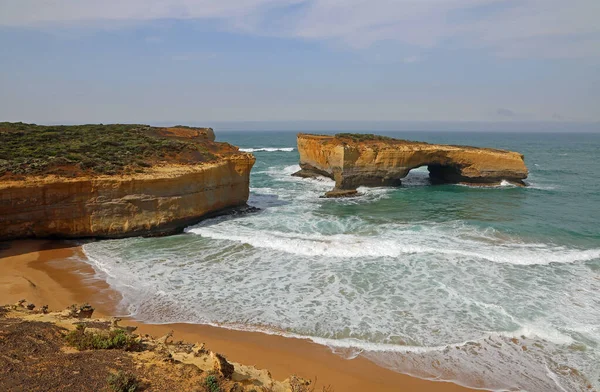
<point x="354" y="160"/>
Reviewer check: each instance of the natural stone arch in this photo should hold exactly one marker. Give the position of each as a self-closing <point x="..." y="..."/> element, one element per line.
<point x="369" y="160"/>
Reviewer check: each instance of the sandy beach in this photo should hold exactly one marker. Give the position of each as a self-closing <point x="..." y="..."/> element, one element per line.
<point x="52" y="273"/>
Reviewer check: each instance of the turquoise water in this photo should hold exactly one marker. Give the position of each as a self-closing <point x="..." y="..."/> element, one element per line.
<point x="495" y="288"/>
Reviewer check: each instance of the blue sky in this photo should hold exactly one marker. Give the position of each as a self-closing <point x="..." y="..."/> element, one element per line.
<point x="155" y="61"/>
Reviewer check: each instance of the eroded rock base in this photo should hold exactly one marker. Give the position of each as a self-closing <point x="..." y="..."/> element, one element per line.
<point x="337" y="193"/>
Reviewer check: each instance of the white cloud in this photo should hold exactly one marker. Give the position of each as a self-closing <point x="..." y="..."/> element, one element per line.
<point x="411" y="59"/>
<point x="31" y="12"/>
<point x="510" y="28"/>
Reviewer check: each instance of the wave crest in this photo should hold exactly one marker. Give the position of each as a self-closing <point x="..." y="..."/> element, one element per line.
<point x="402" y="242"/>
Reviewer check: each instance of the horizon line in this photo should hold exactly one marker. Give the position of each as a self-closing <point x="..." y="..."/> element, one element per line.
<point x="549" y="126"/>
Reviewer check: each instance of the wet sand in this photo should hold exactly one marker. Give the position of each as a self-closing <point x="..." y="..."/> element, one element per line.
<point x="53" y="273"/>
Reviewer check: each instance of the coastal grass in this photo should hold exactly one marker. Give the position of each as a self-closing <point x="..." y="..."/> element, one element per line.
<point x="212" y="384"/>
<point x="123" y="382"/>
<point x="114" y="339"/>
<point x="30" y="149"/>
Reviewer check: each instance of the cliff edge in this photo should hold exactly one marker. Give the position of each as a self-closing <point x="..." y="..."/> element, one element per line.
<point x="111" y="181"/>
<point x="354" y="160"/>
<point x="73" y="351"/>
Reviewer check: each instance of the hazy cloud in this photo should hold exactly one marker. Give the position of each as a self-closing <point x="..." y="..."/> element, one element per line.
<point x="36" y="12"/>
<point x="509" y="114"/>
<point x="506" y="113"/>
<point x="411" y="59"/>
<point x="510" y="28"/>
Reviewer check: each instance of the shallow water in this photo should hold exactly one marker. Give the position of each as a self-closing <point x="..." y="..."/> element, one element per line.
<point x="494" y="288"/>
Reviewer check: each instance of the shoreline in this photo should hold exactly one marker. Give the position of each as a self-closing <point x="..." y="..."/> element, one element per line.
<point x="51" y="273"/>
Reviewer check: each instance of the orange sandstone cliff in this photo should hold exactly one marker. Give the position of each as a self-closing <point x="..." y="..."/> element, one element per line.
<point x="354" y="160"/>
<point x="163" y="197"/>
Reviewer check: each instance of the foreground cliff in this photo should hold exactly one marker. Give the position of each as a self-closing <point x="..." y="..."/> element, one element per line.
<point x="354" y="160"/>
<point x="114" y="181"/>
<point x="71" y="351"/>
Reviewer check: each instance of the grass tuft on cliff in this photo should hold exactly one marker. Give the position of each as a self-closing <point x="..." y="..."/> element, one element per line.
<point x="30" y="149"/>
<point x="123" y="382"/>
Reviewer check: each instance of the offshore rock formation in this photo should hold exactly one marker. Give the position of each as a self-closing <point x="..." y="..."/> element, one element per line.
<point x="354" y="160"/>
<point x="162" y="199"/>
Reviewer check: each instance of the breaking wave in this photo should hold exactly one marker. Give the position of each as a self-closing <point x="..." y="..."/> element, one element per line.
<point x="397" y="244"/>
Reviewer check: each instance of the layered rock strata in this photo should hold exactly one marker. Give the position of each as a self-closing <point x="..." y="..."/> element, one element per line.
<point x="163" y="199"/>
<point x="354" y="160"/>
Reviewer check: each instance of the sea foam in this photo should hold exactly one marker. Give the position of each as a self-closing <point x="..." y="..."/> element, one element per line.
<point x="444" y="299"/>
<point x="395" y="242"/>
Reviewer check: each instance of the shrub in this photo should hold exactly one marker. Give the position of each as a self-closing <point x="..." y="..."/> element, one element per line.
<point x="123" y="382"/>
<point x="102" y="149"/>
<point x="212" y="384"/>
<point x="115" y="339"/>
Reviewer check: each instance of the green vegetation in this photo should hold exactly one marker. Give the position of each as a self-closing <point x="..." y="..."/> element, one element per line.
<point x="123" y="382"/>
<point x="115" y="339"/>
<point x="361" y="137"/>
<point x="27" y="149"/>
<point x="212" y="384"/>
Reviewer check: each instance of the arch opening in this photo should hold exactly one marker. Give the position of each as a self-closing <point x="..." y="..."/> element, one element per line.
<point x="444" y="174"/>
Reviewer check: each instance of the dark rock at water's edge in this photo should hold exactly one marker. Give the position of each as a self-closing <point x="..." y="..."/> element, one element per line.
<point x="243" y="210"/>
<point x="339" y="193"/>
<point x="306" y="173"/>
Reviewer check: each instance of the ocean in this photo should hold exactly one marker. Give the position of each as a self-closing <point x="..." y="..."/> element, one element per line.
<point x="488" y="287"/>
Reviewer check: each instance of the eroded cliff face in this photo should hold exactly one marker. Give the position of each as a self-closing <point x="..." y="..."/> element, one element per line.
<point x="160" y="202"/>
<point x="164" y="199"/>
<point x="355" y="161"/>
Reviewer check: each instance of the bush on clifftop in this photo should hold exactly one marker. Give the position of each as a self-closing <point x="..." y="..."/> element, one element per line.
<point x="115" y="339"/>
<point x="123" y="382"/>
<point x="29" y="149"/>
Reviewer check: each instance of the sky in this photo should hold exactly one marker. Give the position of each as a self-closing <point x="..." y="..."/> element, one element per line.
<point x="284" y="61"/>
